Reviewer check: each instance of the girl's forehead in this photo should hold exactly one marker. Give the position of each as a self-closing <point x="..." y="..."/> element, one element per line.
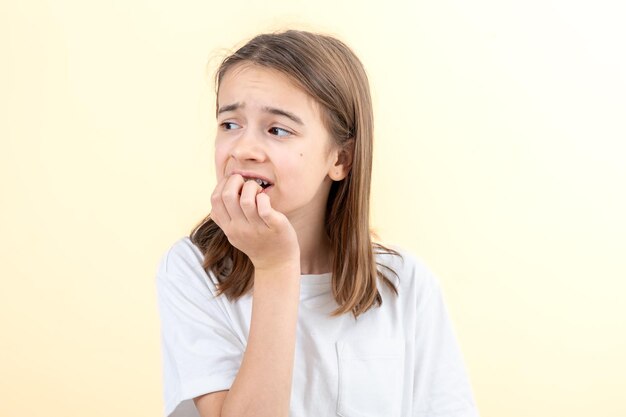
<point x="248" y="69"/>
<point x="254" y="85"/>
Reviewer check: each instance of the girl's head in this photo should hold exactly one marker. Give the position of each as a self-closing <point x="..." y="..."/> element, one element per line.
<point x="331" y="75"/>
<point x="324" y="79"/>
<point x="271" y="129"/>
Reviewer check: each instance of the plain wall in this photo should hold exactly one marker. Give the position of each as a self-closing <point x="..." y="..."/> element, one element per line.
<point x="499" y="159"/>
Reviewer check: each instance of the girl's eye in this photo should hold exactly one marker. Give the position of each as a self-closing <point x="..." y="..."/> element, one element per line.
<point x="279" y="131"/>
<point x="229" y="125"/>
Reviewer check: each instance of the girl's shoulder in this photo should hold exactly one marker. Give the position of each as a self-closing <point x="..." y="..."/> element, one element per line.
<point x="180" y="258"/>
<point x="410" y="271"/>
<point x="182" y="263"/>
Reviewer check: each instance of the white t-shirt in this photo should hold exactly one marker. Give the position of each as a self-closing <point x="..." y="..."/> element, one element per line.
<point x="397" y="360"/>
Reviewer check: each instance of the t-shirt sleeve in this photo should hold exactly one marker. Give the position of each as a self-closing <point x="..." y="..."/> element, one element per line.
<point x="200" y="351"/>
<point x="441" y="387"/>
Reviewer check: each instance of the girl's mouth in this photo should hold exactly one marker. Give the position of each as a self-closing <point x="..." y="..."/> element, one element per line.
<point x="264" y="184"/>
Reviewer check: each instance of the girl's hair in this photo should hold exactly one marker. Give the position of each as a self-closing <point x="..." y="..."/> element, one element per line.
<point x="330" y="72"/>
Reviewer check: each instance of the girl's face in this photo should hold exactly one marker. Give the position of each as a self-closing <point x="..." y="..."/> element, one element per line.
<point x="269" y="128"/>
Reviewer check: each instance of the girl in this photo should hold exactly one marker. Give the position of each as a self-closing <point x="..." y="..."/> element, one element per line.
<point x="279" y="303"/>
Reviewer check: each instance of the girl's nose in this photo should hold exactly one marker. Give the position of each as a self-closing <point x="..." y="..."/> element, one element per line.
<point x="248" y="147"/>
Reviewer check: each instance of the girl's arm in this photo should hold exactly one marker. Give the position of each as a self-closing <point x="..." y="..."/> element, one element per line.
<point x="263" y="384"/>
<point x="210" y="405"/>
<point x="262" y="387"/>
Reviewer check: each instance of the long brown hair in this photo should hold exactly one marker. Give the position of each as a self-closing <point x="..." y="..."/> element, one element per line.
<point x="330" y="72"/>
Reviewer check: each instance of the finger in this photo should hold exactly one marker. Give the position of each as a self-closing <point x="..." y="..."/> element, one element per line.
<point x="248" y="202"/>
<point x="270" y="217"/>
<point x="218" y="210"/>
<point x="231" y="196"/>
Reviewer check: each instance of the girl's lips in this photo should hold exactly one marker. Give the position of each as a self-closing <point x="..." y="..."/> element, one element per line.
<point x="265" y="190"/>
<point x="248" y="174"/>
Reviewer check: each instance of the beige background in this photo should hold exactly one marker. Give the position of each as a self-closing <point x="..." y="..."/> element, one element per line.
<point x="500" y="160"/>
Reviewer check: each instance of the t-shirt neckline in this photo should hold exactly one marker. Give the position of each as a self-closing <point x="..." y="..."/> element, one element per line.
<point x="315" y="279"/>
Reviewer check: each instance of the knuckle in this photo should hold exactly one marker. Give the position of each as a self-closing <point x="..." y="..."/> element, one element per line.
<point x="229" y="196"/>
<point x="246" y="202"/>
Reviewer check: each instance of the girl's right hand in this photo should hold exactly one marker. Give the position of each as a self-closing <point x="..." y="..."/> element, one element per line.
<point x="251" y="225"/>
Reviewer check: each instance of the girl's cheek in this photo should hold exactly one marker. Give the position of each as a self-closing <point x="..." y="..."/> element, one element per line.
<point x="220" y="160"/>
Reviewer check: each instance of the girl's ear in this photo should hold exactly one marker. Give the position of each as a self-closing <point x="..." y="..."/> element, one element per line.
<point x="343" y="162"/>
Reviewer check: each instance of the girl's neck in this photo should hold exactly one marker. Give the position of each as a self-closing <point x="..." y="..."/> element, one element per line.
<point x="316" y="260"/>
<point x="315" y="248"/>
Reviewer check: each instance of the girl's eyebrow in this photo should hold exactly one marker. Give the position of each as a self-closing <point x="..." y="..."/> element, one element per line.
<point x="267" y="109"/>
<point x="230" y="107"/>
<point x="280" y="112"/>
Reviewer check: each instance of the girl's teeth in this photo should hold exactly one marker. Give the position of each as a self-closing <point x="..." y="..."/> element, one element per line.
<point x="258" y="181"/>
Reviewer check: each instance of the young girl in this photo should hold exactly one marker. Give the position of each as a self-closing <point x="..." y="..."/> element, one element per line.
<point x="279" y="303"/>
